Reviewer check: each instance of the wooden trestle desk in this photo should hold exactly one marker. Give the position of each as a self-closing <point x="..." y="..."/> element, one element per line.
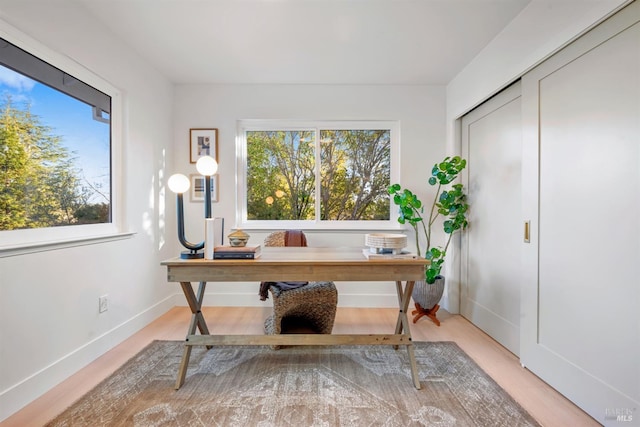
<point x="296" y="264"/>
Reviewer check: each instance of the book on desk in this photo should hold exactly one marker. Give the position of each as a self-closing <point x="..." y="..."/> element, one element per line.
<point x="237" y="252"/>
<point x="369" y="254"/>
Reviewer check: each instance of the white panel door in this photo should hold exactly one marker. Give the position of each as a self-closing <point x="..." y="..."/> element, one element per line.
<point x="490" y="288"/>
<point x="581" y="191"/>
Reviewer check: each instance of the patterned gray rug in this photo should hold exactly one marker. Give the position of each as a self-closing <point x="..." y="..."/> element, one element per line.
<point x="298" y="386"/>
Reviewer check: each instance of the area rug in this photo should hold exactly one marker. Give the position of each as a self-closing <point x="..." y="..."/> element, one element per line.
<point x="297" y="387"/>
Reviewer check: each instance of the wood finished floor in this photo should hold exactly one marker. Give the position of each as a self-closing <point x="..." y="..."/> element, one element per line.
<point x="543" y="403"/>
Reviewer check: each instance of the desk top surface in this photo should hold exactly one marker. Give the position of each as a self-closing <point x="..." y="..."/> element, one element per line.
<point x="301" y="255"/>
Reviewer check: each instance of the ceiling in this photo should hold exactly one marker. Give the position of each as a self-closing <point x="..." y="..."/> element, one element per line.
<point x="307" y="41"/>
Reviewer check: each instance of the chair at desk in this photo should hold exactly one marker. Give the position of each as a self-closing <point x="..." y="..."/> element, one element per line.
<point x="301" y="307"/>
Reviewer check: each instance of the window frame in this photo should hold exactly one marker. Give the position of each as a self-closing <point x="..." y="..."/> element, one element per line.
<point x="17" y="242"/>
<point x="297" y="125"/>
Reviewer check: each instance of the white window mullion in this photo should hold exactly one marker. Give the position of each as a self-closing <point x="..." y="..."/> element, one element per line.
<point x="318" y="177"/>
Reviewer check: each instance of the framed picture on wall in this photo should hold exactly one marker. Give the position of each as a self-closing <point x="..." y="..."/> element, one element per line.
<point x="203" y="142"/>
<point x="197" y="188"/>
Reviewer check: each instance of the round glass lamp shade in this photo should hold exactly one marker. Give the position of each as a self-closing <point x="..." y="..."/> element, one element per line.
<point x="207" y="166"/>
<point x="178" y="183"/>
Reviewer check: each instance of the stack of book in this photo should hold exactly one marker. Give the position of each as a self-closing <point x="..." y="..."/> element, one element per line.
<point x="371" y="253"/>
<point x="236" y="252"/>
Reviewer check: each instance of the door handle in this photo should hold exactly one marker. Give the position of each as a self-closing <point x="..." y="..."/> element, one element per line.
<point x="527" y="228"/>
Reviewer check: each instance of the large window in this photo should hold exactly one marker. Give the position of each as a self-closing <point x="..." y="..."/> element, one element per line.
<point x="55" y="146"/>
<point x="56" y="149"/>
<point x="319" y="174"/>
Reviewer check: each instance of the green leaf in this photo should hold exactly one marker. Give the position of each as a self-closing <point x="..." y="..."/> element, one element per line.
<point x="431" y="275"/>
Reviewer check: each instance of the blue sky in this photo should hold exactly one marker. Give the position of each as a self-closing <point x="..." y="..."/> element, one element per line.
<point x="69" y="119"/>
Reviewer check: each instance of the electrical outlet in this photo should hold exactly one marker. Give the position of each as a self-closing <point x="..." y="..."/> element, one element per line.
<point x="103" y="304"/>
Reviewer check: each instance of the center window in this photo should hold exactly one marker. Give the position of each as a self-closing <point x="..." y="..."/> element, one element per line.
<point x="316" y="175"/>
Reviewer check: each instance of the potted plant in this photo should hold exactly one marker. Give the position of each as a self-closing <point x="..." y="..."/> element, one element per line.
<point x="449" y="202"/>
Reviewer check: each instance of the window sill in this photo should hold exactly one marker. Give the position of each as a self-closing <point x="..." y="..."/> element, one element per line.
<point x="24" y="249"/>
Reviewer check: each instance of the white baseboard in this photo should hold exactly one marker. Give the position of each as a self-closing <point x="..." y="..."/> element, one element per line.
<point x="19" y="395"/>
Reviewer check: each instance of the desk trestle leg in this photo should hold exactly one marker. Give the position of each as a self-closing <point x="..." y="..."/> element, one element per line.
<point x="402" y="324"/>
<point x="402" y="334"/>
<point x="197" y="321"/>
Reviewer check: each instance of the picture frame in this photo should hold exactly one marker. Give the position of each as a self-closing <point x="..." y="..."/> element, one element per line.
<point x="197" y="188"/>
<point x="203" y="142"/>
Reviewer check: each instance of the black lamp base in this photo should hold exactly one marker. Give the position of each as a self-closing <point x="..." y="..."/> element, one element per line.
<point x="191" y="255"/>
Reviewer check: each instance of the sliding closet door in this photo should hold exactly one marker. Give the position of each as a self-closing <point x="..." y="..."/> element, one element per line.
<point x="581" y="192"/>
<point x="490" y="288"/>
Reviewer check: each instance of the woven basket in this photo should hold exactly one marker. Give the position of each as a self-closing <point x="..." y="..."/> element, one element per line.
<point x="385" y="241"/>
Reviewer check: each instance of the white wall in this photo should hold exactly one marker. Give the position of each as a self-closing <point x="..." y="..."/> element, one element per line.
<point x="541" y="29"/>
<point x="49" y="321"/>
<point x="420" y="110"/>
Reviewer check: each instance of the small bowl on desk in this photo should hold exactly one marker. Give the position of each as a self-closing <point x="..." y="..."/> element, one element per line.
<point x="385" y="241"/>
<point x="238" y="238"/>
